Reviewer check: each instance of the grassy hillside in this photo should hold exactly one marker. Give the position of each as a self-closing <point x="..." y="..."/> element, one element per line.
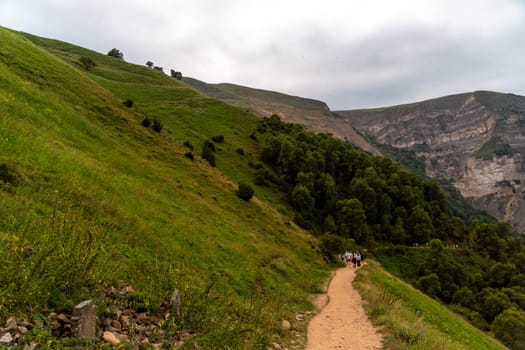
<point x="411" y="319"/>
<point x="91" y="199"/>
<point x="262" y="102"/>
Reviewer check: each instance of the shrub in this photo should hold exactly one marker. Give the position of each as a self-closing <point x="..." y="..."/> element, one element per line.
<point x="332" y="245"/>
<point x="218" y="138"/>
<point x="207" y="152"/>
<point x="116" y="54"/>
<point x="175" y="74"/>
<point x="149" y="64"/>
<point x="253" y="137"/>
<point x="255" y="166"/>
<point x="157" y="125"/>
<point x="128" y="103"/>
<point x="245" y="191"/>
<point x="302" y="221"/>
<point x="188" y="144"/>
<point x="146" y="122"/>
<point x="189" y="155"/>
<point x="240" y="151"/>
<point x="86" y="63"/>
<point x="9" y="176"/>
<point x="260" y="178"/>
<point x="509" y="327"/>
<point x="430" y="284"/>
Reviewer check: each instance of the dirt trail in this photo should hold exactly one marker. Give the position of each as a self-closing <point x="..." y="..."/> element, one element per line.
<point x="342" y="324"/>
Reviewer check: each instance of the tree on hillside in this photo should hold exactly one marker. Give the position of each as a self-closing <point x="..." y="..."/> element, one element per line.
<point x="86" y="63"/>
<point x="116" y="53"/>
<point x="420" y="225"/>
<point x="509" y="326"/>
<point x="301" y="199"/>
<point x="176" y="75"/>
<point x="245" y="191"/>
<point x="351" y="219"/>
<point x="149" y="64"/>
<point x="207" y="152"/>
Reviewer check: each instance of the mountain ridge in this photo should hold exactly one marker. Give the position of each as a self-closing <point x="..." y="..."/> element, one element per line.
<point x="314" y="115"/>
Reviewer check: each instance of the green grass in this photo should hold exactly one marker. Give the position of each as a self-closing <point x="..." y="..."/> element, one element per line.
<point x="100" y="200"/>
<point x="410" y="319"/>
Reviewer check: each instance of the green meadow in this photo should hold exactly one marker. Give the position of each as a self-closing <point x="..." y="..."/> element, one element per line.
<point x="91" y="199"/>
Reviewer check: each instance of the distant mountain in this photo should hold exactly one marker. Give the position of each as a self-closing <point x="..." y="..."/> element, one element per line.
<point x="474" y="140"/>
<point x="312" y="114"/>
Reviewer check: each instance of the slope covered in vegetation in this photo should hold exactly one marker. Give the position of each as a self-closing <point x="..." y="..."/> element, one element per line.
<point x="412" y="320"/>
<point x="91" y="200"/>
<point x="95" y="200"/>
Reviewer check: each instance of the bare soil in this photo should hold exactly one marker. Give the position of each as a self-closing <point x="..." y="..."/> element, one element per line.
<point x="342" y="323"/>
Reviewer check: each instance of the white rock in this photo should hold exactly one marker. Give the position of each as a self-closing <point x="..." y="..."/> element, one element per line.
<point x="111" y="338"/>
<point x="6" y="338"/>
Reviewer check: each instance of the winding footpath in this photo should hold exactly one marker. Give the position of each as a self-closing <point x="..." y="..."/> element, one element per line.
<point x="343" y="323"/>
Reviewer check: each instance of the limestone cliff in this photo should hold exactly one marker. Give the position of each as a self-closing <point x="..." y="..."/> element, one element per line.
<point x="475" y="140"/>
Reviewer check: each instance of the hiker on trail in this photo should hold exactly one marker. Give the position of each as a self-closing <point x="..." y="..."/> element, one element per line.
<point x="346" y="256"/>
<point x="358" y="259"/>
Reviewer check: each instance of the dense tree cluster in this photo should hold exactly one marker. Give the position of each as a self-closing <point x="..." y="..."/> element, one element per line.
<point x="484" y="280"/>
<point x="336" y="188"/>
<point x="86" y="63"/>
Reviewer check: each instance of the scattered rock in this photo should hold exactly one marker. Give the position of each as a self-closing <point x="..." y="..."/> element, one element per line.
<point x="299" y="317"/>
<point x="111" y="338"/>
<point x="185" y="335"/>
<point x="286" y="324"/>
<point x="125" y="321"/>
<point x="125" y="290"/>
<point x="175" y="303"/>
<point x="112" y="292"/>
<point x="6" y="338"/>
<point x="116" y="324"/>
<point x="276" y="346"/>
<point x="10" y="325"/>
<point x="63" y="318"/>
<point x="27" y="251"/>
<point x="85" y="320"/>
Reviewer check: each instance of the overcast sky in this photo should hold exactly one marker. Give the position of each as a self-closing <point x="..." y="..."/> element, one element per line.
<point x="347" y="53"/>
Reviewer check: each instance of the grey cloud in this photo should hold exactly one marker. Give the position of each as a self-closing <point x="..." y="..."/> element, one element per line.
<point x="398" y="61"/>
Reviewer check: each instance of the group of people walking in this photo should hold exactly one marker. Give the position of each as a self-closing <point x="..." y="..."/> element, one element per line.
<point x="352" y="258"/>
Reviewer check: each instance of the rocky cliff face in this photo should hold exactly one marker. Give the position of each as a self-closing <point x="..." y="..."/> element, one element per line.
<point x="475" y="140"/>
